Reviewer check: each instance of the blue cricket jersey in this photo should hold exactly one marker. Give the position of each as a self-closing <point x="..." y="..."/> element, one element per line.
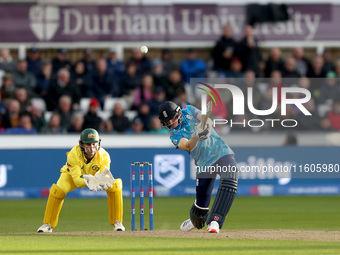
<point x="208" y="151"/>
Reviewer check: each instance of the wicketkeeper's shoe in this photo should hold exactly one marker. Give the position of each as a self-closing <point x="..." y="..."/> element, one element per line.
<point x="213" y="227"/>
<point x="187" y="226"/>
<point x="118" y="226"/>
<point x="46" y="228"/>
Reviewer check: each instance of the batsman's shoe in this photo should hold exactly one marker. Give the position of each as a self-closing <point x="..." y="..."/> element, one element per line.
<point x="213" y="227"/>
<point x="46" y="228"/>
<point x="118" y="226"/>
<point x="187" y="226"/>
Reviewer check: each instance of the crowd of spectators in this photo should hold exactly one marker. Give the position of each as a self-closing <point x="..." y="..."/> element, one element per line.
<point x="47" y="95"/>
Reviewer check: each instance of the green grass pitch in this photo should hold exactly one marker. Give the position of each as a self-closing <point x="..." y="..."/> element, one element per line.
<point x="19" y="220"/>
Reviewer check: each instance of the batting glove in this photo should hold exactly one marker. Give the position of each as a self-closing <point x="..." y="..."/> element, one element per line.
<point x="91" y="182"/>
<point x="105" y="179"/>
<point x="205" y="133"/>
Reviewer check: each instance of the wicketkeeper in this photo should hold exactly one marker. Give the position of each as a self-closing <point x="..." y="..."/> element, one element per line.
<point x="209" y="152"/>
<point x="88" y="165"/>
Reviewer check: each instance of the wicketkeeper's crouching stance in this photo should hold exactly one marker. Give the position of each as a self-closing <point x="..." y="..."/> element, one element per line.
<point x="87" y="165"/>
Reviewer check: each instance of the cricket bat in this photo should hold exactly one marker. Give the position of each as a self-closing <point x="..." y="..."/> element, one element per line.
<point x="206" y="116"/>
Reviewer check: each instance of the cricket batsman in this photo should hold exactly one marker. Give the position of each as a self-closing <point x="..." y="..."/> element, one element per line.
<point x="88" y="165"/>
<point x="209" y="152"/>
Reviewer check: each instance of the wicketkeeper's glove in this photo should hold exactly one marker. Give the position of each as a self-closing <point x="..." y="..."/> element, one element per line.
<point x="105" y="179"/>
<point x="91" y="182"/>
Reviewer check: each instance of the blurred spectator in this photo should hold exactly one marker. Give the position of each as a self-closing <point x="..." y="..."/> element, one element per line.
<point x="62" y="86"/>
<point x="13" y="111"/>
<point x="65" y="111"/>
<point x="24" y="79"/>
<point x="24" y="126"/>
<point x="250" y="53"/>
<point x="304" y="83"/>
<point x="54" y="126"/>
<point x="192" y="67"/>
<point x="156" y="127"/>
<point x="142" y="62"/>
<point x="337" y="68"/>
<point x="106" y="127"/>
<point x="7" y="64"/>
<point x="276" y="82"/>
<point x="182" y="98"/>
<point x="144" y="92"/>
<point x="8" y="87"/>
<point x="235" y="70"/>
<point x="33" y="61"/>
<point x="175" y="85"/>
<point x="44" y="79"/>
<point x="103" y="86"/>
<point x="145" y="116"/>
<point x="325" y="123"/>
<point x="330" y="91"/>
<point x="158" y="97"/>
<point x="24" y="100"/>
<point x="91" y="119"/>
<point x="77" y="121"/>
<point x="290" y="71"/>
<point x="291" y="140"/>
<point x="38" y="119"/>
<point x="328" y="64"/>
<point x="317" y="70"/>
<point x="309" y="122"/>
<point x="89" y="63"/>
<point x="302" y="64"/>
<point x="249" y="81"/>
<point x="224" y="50"/>
<point x="4" y="117"/>
<point x="274" y="62"/>
<point x="267" y="102"/>
<point x="115" y="67"/>
<point x="82" y="80"/>
<point x="334" y="116"/>
<point x="119" y="121"/>
<point x="137" y="126"/>
<point x="131" y="80"/>
<point x="160" y="77"/>
<point x="60" y="62"/>
<point x="168" y="62"/>
<point x="314" y="73"/>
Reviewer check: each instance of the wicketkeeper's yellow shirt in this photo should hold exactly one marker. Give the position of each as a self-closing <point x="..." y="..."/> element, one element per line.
<point x="77" y="164"/>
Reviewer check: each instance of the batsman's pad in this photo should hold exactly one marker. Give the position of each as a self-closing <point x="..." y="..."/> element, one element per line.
<point x="115" y="201"/>
<point x="224" y="199"/>
<point x="54" y="204"/>
<point x="198" y="215"/>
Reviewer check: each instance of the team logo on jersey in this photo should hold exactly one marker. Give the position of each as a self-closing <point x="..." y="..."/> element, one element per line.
<point x="188" y="117"/>
<point x="216" y="218"/>
<point x="90" y="135"/>
<point x="95" y="168"/>
<point x="68" y="164"/>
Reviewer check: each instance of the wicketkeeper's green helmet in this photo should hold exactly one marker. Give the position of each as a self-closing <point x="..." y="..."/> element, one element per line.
<point x="89" y="135"/>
